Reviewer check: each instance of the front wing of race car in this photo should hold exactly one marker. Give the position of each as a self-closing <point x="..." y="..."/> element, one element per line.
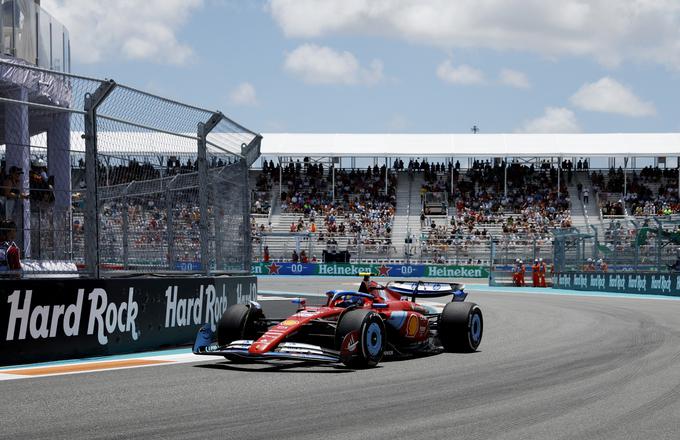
<point x="206" y="344"/>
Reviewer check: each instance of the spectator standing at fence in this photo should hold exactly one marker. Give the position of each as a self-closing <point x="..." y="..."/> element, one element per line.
<point x="10" y="190"/>
<point x="265" y="256"/>
<point x="294" y="258"/>
<point x="675" y="267"/>
<point x="589" y="266"/>
<point x="603" y="265"/>
<point x="515" y="273"/>
<point x="541" y="273"/>
<point x="585" y="196"/>
<point x="534" y="273"/>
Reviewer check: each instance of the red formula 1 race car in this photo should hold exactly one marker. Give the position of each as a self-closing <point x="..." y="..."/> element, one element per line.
<point x="354" y="328"/>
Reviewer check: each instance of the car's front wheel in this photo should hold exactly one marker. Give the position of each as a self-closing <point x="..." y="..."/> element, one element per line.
<point x="238" y="322"/>
<point x="360" y="337"/>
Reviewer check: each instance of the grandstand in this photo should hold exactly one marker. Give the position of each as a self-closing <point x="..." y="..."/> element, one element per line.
<point x="507" y="194"/>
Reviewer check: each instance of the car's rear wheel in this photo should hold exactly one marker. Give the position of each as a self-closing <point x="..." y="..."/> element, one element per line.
<point x="238" y="322"/>
<point x="460" y="327"/>
<point x="360" y="337"/>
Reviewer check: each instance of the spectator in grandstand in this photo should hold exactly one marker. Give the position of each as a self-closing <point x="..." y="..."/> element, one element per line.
<point x="585" y="196"/>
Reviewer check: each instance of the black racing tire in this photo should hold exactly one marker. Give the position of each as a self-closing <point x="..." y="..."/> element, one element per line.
<point x="371" y="338"/>
<point x="460" y="327"/>
<point x="237" y="322"/>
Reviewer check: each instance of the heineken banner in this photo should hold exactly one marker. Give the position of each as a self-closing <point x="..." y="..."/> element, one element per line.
<point x="623" y="282"/>
<point x="382" y="270"/>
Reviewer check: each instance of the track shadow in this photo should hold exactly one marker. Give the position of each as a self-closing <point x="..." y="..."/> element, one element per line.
<point x="291" y="367"/>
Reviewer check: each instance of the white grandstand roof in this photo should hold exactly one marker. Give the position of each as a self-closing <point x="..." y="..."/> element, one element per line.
<point x="125" y="143"/>
<point x="479" y="145"/>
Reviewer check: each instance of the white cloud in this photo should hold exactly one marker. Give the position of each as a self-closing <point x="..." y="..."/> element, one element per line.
<point x="105" y="30"/>
<point x="608" y="31"/>
<point x="554" y="120"/>
<point x="323" y="65"/>
<point x="462" y="74"/>
<point x="243" y="94"/>
<point x="514" y="78"/>
<point x="610" y="96"/>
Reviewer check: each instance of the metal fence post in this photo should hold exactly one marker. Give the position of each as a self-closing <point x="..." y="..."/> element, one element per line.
<point x="250" y="152"/>
<point x="203" y="197"/>
<point x="92" y="101"/>
<point x="247" y="233"/>
<point x="218" y="214"/>
<point x="126" y="229"/>
<point x="169" y="214"/>
<point x="203" y="187"/>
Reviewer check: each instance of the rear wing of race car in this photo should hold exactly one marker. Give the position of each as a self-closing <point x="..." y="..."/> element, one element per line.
<point x="427" y="289"/>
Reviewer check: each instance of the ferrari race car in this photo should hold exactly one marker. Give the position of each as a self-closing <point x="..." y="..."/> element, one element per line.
<point x="354" y="328"/>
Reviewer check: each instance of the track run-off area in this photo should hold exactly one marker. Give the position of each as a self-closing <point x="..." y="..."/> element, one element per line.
<point x="551" y="365"/>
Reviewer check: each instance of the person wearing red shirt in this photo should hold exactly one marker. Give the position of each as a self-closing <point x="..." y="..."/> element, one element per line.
<point x="541" y="273"/>
<point x="534" y="273"/>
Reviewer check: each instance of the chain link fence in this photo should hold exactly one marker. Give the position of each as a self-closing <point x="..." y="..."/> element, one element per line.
<point x="650" y="245"/>
<point x="169" y="191"/>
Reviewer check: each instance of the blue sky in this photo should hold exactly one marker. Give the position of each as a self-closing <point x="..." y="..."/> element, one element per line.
<point x="394" y="66"/>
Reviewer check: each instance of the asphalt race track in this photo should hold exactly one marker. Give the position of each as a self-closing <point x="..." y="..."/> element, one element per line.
<point x="549" y="367"/>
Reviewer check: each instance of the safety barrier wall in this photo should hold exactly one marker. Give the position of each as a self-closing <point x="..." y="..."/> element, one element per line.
<point x="53" y="319"/>
<point x="385" y="270"/>
<point x="622" y="282"/>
